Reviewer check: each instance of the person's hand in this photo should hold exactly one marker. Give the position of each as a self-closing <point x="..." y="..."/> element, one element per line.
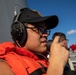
<point x="58" y="51"/>
<point x="58" y="58"/>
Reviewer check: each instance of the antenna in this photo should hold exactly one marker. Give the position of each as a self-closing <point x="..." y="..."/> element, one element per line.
<point x="17" y="9"/>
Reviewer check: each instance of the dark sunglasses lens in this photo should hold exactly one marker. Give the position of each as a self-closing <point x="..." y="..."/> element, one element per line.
<point x="45" y="31"/>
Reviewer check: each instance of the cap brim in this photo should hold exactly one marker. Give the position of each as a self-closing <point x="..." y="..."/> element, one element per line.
<point x="50" y="21"/>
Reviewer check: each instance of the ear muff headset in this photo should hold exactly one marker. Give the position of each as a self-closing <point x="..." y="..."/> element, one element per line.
<point x="18" y="31"/>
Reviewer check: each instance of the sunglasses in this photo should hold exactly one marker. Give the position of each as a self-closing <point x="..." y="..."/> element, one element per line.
<point x="40" y="30"/>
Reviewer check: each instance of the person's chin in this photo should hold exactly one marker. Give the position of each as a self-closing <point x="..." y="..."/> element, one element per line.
<point x="44" y="49"/>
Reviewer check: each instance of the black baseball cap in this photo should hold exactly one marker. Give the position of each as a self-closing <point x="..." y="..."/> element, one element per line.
<point x="32" y="16"/>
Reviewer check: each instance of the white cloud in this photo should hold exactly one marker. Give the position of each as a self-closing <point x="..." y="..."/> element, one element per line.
<point x="71" y="32"/>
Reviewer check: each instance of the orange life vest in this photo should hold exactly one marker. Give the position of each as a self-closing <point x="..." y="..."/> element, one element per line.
<point x="21" y="61"/>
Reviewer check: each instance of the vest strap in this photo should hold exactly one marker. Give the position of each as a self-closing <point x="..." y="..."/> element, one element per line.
<point x="38" y="72"/>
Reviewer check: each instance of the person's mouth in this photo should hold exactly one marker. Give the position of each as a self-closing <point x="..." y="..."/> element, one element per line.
<point x="44" y="42"/>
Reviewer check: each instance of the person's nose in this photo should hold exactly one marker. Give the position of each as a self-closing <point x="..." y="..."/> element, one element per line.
<point x="45" y="34"/>
<point x="65" y="42"/>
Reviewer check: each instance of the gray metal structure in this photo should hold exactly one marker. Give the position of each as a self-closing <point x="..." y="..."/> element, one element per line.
<point x="7" y="8"/>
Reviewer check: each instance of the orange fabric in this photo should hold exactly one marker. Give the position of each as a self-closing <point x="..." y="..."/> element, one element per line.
<point x="20" y="60"/>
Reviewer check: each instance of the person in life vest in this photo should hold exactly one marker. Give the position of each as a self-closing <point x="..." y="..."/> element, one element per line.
<point x="27" y="55"/>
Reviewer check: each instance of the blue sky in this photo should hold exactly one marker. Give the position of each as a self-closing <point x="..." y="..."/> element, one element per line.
<point x="64" y="9"/>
